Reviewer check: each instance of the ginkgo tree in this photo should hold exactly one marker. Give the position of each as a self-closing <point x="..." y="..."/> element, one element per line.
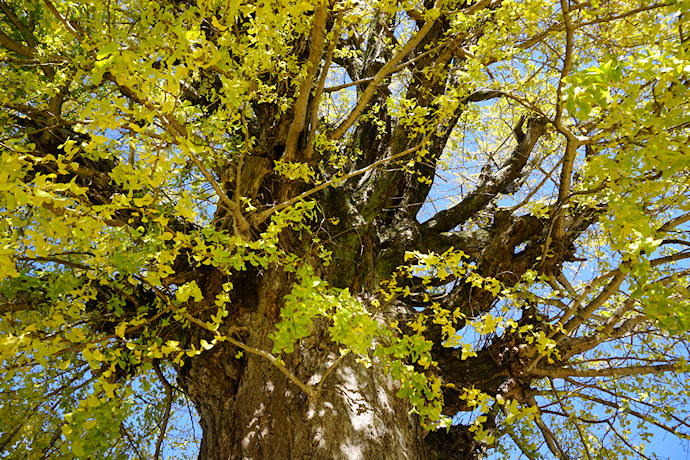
<point x="343" y="229"/>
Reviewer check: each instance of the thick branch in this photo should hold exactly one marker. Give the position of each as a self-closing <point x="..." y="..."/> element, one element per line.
<point x="12" y="45"/>
<point x="471" y="242"/>
<point x="380" y="75"/>
<point x="490" y="185"/>
<point x="302" y="103"/>
<point x="576" y="346"/>
<point x="314" y="104"/>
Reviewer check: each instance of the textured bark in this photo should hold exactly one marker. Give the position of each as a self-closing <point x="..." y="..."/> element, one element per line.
<point x="248" y="409"/>
<point x="265" y="416"/>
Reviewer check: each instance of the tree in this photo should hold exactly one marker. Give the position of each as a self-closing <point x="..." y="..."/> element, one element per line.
<point x="344" y="229"/>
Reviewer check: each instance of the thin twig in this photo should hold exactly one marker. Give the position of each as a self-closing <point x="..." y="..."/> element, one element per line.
<point x="609" y="372"/>
<point x="55" y="260"/>
<point x="577" y="426"/>
<point x="307" y="389"/>
<point x="625" y="440"/>
<point x="319" y="386"/>
<point x="74" y="30"/>
<point x="168" y="405"/>
<point x="133" y="445"/>
<point x="536" y="189"/>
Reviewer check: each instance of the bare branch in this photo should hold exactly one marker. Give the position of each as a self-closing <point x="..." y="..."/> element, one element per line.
<point x="562" y="372"/>
<point x="567" y="61"/>
<point x="610" y="289"/>
<point x="314" y="105"/>
<point x="168" y="405"/>
<point x="307" y="389"/>
<point x="18" y="48"/>
<point x="549" y="437"/>
<point x="673" y="223"/>
<point x="302" y="102"/>
<point x="19" y="25"/>
<point x="491" y="184"/>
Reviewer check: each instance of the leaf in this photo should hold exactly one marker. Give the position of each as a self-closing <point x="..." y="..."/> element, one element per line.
<point x="106" y="51"/>
<point x="88" y="424"/>
<point x="187" y="290"/>
<point x="78" y="448"/>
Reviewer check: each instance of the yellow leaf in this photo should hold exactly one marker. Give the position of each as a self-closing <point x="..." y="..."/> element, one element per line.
<point x="467" y="351"/>
<point x="217" y="25"/>
<point x="120" y="330"/>
<point x="187" y="290"/>
<point x="109" y="388"/>
<point x="87" y="425"/>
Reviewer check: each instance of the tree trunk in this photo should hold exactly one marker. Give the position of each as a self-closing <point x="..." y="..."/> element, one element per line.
<point x="267" y="417"/>
<point x="249" y="409"/>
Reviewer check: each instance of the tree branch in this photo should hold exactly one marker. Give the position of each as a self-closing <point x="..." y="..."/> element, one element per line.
<point x="561" y="372"/>
<point x="56" y="260"/>
<point x="314" y="105"/>
<point x="307" y="389"/>
<point x="18" y="48"/>
<point x="302" y="102"/>
<point x="490" y="185"/>
<point x="168" y="405"/>
<point x="549" y="437"/>
<point x="627" y="408"/>
<point x="380" y="75"/>
<point x="260" y="217"/>
<point x="25" y="31"/>
<point x="567" y="414"/>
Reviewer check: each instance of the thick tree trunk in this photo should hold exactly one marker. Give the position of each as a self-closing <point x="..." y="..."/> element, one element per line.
<point x="267" y="417"/>
<point x="249" y="409"/>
